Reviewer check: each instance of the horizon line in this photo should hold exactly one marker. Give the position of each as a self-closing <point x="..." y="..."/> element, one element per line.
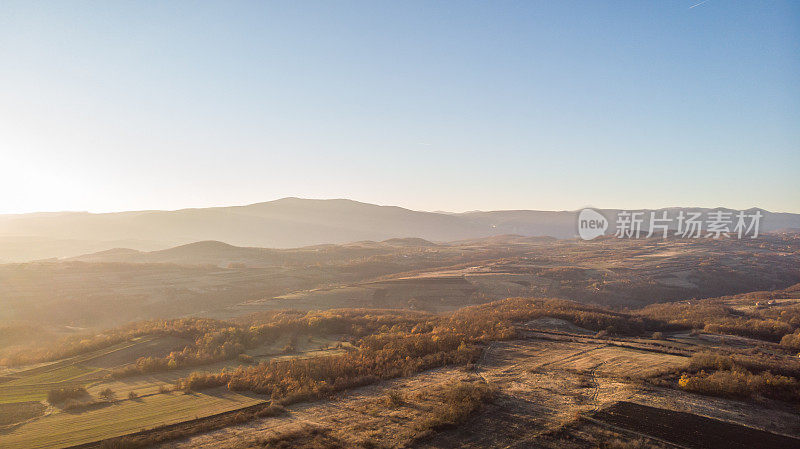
<point x="437" y="211"/>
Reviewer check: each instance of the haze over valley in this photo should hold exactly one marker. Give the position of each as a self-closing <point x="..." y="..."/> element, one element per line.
<point x="284" y="223"/>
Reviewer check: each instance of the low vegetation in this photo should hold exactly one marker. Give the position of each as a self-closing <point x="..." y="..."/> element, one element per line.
<point x="386" y="344"/>
<point x="60" y="395"/>
<point x="791" y="341"/>
<point x="761" y="319"/>
<point x="394" y="344"/>
<point x="457" y="402"/>
<point x="741" y="377"/>
<point x="107" y="394"/>
<point x="378" y="357"/>
<point x="309" y="437"/>
<point x="742" y="383"/>
<point x="200" y="425"/>
<point x="20" y="411"/>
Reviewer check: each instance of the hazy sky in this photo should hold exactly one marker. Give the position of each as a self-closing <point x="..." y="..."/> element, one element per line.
<point x="429" y="105"/>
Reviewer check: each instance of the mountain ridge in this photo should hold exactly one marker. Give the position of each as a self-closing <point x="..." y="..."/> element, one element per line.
<point x="284" y="223"/>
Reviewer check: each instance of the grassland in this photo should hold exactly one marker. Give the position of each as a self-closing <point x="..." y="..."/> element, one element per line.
<point x="32" y="384"/>
<point x="156" y="404"/>
<point x="121" y="417"/>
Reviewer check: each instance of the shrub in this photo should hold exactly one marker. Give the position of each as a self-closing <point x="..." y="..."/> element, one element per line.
<point x="290" y="348"/>
<point x="57" y="395"/>
<point x="107" y="394"/>
<point x="74" y="404"/>
<point x="719" y="383"/>
<point x="458" y="402"/>
<point x="710" y="360"/>
<point x="394" y="398"/>
<point x="741" y="383"/>
<point x="791" y="341"/>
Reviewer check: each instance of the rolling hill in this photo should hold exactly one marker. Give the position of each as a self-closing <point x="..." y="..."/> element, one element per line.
<point x="284" y="223"/>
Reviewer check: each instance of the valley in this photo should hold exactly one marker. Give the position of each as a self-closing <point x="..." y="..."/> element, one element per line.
<point x="376" y="340"/>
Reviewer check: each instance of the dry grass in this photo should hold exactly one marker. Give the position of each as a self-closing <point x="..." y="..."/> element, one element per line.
<point x="307" y="438"/>
<point x="21" y="411"/>
<point x="619" y="443"/>
<point x="394" y="398"/>
<point x="457" y="402"/>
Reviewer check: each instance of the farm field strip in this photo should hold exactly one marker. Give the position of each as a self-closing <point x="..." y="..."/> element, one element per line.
<point x="150" y="383"/>
<point x="621" y="361"/>
<point x="65" y="374"/>
<point x="25" y="393"/>
<point x="52" y="366"/>
<point x="543" y="399"/>
<point x="123" y="417"/>
<point x="60" y="374"/>
<point x="690" y="430"/>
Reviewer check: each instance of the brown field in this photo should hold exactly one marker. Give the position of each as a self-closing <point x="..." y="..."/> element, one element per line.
<point x="689" y="429"/>
<point x="544" y="387"/>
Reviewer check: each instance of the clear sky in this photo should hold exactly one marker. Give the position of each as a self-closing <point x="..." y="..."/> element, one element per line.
<point x="435" y="105"/>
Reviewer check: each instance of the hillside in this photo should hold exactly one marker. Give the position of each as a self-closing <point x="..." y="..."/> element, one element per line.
<point x="390" y="378"/>
<point x="218" y="280"/>
<point x="211" y="252"/>
<point x="284" y="223"/>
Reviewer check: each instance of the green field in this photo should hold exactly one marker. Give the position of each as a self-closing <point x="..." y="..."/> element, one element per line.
<point x="35" y="388"/>
<point x="69" y="373"/>
<point x="64" y="427"/>
<point x="32" y="384"/>
<point x="122" y="417"/>
<point x="25" y="393"/>
<point x="79" y="359"/>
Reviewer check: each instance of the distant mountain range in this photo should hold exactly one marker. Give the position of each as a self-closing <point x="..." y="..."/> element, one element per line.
<point x="284" y="223"/>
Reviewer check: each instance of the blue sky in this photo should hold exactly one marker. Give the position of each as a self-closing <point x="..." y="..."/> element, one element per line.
<point x="455" y="106"/>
